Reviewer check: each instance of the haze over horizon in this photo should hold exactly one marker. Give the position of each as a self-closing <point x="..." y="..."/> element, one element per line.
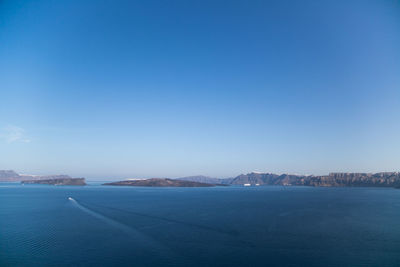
<point x="102" y="89"/>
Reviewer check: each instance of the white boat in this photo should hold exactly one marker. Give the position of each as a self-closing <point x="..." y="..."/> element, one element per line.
<point x="246" y="184"/>
<point x="70" y="198"/>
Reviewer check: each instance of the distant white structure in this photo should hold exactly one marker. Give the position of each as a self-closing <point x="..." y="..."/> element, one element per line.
<point x="257" y="184"/>
<point x="246" y="184"/>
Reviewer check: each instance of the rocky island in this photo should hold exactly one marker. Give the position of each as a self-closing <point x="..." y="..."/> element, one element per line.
<point x="12" y="176"/>
<point x="60" y="181"/>
<point x="161" y="182"/>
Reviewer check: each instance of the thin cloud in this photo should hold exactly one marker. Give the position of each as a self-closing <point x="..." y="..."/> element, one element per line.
<point x="14" y="134"/>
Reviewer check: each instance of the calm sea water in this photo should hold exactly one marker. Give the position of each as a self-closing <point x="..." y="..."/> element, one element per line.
<point x="221" y="226"/>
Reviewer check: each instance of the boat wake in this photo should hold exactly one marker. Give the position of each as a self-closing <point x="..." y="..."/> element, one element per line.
<point x="227" y="232"/>
<point x="169" y="220"/>
<point x="103" y="218"/>
<point x="143" y="239"/>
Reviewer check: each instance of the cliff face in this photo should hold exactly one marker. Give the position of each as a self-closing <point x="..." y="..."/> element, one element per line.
<point x="61" y="181"/>
<point x="382" y="179"/>
<point x="157" y="182"/>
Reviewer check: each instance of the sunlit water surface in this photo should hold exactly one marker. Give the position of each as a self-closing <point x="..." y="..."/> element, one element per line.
<point x="222" y="226"/>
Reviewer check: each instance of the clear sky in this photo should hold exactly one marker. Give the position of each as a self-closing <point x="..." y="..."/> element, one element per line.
<point x="119" y="89"/>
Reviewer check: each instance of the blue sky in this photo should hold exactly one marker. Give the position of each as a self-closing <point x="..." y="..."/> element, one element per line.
<point x="114" y="89"/>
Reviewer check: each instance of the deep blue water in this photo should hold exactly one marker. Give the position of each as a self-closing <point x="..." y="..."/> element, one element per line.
<point x="221" y="226"/>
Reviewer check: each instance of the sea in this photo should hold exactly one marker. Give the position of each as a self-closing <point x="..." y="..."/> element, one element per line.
<point x="95" y="225"/>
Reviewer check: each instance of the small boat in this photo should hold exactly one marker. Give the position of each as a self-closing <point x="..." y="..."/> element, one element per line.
<point x="246" y="184"/>
<point x="70" y="198"/>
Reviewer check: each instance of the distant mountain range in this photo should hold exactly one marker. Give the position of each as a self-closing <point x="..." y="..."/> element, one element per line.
<point x="380" y="179"/>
